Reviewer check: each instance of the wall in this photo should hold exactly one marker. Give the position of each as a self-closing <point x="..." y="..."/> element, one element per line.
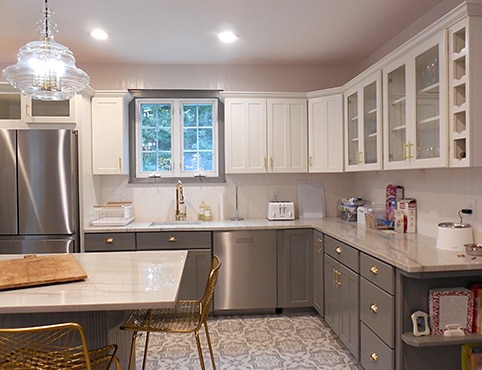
<point x="440" y="193"/>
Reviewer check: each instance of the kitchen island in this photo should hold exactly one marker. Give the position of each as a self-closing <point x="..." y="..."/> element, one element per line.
<point x="116" y="283"/>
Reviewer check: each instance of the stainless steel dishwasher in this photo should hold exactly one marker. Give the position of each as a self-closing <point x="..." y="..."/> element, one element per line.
<point x="247" y="278"/>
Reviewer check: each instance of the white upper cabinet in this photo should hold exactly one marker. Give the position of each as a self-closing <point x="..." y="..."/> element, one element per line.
<point x="16" y="108"/>
<point x="40" y="111"/>
<point x="110" y="149"/>
<point x="465" y="89"/>
<point x="415" y="106"/>
<point x="265" y="135"/>
<point x="363" y="125"/>
<point x="245" y="134"/>
<point x="287" y="135"/>
<point x="325" y="133"/>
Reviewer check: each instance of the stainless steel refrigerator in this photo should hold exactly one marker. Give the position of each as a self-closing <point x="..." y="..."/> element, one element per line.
<point x="39" y="205"/>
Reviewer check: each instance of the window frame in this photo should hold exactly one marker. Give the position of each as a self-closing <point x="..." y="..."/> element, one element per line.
<point x="180" y="97"/>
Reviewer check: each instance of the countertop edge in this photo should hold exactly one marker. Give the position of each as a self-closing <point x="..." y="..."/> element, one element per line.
<point x="412" y="253"/>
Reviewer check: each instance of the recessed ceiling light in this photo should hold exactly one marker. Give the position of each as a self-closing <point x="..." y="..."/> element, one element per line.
<point x="99" y="34"/>
<point x="227" y="36"/>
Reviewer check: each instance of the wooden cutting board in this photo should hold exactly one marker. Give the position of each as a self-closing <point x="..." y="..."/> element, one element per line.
<point x="35" y="270"/>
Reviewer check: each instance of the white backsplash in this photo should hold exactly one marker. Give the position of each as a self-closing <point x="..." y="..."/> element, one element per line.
<point x="440" y="193"/>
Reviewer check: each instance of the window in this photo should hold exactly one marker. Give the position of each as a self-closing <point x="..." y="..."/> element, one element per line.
<point x="175" y="138"/>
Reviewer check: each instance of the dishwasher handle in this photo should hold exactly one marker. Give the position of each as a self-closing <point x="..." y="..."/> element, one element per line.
<point x="245" y="240"/>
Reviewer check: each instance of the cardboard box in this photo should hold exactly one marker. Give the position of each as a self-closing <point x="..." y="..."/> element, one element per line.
<point x="408" y="207"/>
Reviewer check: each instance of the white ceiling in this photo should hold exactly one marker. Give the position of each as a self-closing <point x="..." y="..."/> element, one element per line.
<point x="296" y="32"/>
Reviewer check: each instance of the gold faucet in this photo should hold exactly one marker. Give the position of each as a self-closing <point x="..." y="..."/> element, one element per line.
<point x="180" y="206"/>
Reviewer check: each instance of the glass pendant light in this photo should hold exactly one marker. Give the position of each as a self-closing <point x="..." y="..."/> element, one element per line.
<point x="45" y="69"/>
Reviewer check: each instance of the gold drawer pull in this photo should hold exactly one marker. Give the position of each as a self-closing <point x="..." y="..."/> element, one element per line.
<point x="374" y="357"/>
<point x="172" y="239"/>
<point x="374" y="270"/>
<point x="110" y="240"/>
<point x="374" y="308"/>
<point x="338" y="250"/>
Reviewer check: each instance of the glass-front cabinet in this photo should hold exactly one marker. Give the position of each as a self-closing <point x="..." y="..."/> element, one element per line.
<point x="415" y="125"/>
<point x="363" y="123"/>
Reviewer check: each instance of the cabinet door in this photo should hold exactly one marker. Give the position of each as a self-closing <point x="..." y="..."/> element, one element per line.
<point x="43" y="111"/>
<point x="245" y="135"/>
<point x="349" y="309"/>
<point x="415" y="108"/>
<point x="109" y="135"/>
<point x="325" y="126"/>
<point x="363" y="125"/>
<point x="195" y="274"/>
<point x="295" y="272"/>
<point x="332" y="312"/>
<point x="10" y="104"/>
<point x="318" y="290"/>
<point x="287" y="135"/>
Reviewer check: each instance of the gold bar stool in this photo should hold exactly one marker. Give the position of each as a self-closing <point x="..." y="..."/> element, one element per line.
<point x="187" y="316"/>
<point x="59" y="346"/>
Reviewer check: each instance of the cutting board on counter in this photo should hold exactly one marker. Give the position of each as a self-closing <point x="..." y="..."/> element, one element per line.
<point x="35" y="270"/>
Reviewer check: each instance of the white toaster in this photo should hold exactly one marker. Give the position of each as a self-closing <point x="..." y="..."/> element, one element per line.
<point x="281" y="210"/>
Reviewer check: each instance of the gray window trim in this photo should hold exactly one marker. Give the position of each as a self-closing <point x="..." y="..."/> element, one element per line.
<point x="176" y="94"/>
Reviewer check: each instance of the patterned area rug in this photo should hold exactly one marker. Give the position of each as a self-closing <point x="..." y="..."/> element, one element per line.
<point x="272" y="342"/>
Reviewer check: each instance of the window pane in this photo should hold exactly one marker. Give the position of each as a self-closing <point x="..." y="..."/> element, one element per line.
<point x="156" y="137"/>
<point x="197" y="137"/>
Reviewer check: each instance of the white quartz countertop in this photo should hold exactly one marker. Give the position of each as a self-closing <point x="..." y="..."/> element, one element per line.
<point x="411" y="253"/>
<point x="116" y="281"/>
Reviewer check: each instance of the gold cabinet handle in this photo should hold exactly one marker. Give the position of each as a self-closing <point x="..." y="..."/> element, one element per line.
<point x="172" y="239"/>
<point x="265" y="162"/>
<point x="110" y="240"/>
<point x="338" y="250"/>
<point x="271" y="162"/>
<point x="374" y="270"/>
<point x="310" y="161"/>
<point x="338" y="281"/>
<point x="335" y="277"/>
<point x="374" y="357"/>
<point x="374" y="308"/>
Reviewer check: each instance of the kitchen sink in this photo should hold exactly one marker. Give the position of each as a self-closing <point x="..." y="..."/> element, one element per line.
<point x="174" y="223"/>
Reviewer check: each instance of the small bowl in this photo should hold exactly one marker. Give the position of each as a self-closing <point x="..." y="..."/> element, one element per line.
<point x="473" y="249"/>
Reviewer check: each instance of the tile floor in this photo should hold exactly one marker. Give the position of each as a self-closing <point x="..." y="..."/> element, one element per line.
<point x="271" y="342"/>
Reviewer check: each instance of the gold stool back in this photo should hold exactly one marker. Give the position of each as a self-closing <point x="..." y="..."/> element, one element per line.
<point x="59" y="346"/>
<point x="188" y="316"/>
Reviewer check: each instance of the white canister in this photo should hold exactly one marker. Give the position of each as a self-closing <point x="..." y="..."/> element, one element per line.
<point x="452" y="236"/>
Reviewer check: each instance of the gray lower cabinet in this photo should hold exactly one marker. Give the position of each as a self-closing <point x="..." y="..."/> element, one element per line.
<point x="342" y="292"/>
<point x="318" y="278"/>
<point x="197" y="243"/>
<point x="295" y="268"/>
<point x="377" y="314"/>
<point x="109" y="242"/>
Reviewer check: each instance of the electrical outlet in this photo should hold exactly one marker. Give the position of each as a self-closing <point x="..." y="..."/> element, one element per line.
<point x="469" y="203"/>
<point x="274" y="194"/>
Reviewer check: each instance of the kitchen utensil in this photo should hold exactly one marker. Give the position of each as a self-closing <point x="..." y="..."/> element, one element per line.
<point x="236" y="217"/>
<point x="473" y="249"/>
<point x="281" y="210"/>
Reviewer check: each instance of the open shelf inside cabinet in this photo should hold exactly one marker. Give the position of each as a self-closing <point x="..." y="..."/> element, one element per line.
<point x="439" y="340"/>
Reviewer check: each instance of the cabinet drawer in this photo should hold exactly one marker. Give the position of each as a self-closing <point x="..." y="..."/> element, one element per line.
<point x="374" y="354"/>
<point x="342" y="252"/>
<point x="174" y="240"/>
<point x="378" y="272"/>
<point x="106" y="242"/>
<point x="377" y="311"/>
